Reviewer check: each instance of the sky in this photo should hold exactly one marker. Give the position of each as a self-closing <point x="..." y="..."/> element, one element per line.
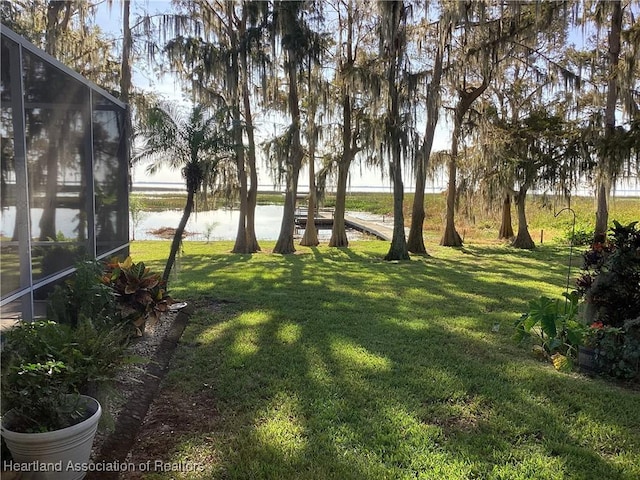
<point x="110" y="20"/>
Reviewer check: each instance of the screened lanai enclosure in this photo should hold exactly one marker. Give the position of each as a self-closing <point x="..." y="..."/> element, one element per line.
<point x="64" y="175"/>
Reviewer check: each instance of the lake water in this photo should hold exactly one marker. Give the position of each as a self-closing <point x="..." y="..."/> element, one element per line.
<point x="221" y="224"/>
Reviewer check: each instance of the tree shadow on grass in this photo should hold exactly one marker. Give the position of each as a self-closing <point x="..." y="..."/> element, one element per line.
<point x="366" y="370"/>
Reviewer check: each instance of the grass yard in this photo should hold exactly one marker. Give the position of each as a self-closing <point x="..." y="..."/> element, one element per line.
<point x="333" y="364"/>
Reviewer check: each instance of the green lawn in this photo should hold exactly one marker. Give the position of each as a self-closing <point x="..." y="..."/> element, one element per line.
<point x="333" y="364"/>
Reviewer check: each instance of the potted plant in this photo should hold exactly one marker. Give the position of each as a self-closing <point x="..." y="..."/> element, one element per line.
<point x="46" y="421"/>
<point x="588" y="352"/>
<point x="140" y="293"/>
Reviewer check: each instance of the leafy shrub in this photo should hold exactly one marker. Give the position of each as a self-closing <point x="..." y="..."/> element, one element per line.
<point x="83" y="297"/>
<point x="581" y="237"/>
<point x="610" y="281"/>
<point x="555" y="325"/>
<point x="617" y="350"/>
<point x="47" y="364"/>
<point x="610" y="286"/>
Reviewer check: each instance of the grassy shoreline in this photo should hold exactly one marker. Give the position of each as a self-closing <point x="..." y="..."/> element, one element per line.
<point x="474" y="222"/>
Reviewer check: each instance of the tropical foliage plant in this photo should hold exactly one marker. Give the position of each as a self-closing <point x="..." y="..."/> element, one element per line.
<point x="610" y="281"/>
<point x="141" y="294"/>
<point x="555" y="325"/>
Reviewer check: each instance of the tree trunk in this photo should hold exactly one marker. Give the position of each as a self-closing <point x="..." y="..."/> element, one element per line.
<point x="415" y="242"/>
<point x="506" y="227"/>
<point x="451" y="238"/>
<point x="398" y="248"/>
<point x="248" y="193"/>
<point x="55" y="152"/>
<point x="338" y="231"/>
<point x="177" y="237"/>
<point x="603" y="178"/>
<point x="53" y="29"/>
<point x="284" y="244"/>
<point x="310" y="237"/>
<point x="47" y="222"/>
<point x="240" y="245"/>
<point x="252" y="194"/>
<point x="127" y="45"/>
<point x="523" y="239"/>
<point x="125" y="86"/>
<point x="252" y="200"/>
<point x="602" y="213"/>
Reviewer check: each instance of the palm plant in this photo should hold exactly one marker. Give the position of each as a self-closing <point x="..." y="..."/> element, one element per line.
<point x="220" y="54"/>
<point x="194" y="142"/>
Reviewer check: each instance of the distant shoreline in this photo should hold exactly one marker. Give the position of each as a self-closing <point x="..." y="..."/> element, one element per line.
<point x="267" y="189"/>
<point x="175" y="188"/>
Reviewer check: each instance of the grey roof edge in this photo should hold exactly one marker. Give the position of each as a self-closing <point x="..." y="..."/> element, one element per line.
<point x="6" y="31"/>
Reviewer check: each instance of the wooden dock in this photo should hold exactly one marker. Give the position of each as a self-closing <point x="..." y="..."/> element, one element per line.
<point x="325" y="219"/>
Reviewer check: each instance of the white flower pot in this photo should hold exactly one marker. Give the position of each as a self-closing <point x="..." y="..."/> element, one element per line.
<point x="60" y="454"/>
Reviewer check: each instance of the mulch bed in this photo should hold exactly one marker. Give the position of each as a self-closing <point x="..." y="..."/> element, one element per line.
<point x="115" y="447"/>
